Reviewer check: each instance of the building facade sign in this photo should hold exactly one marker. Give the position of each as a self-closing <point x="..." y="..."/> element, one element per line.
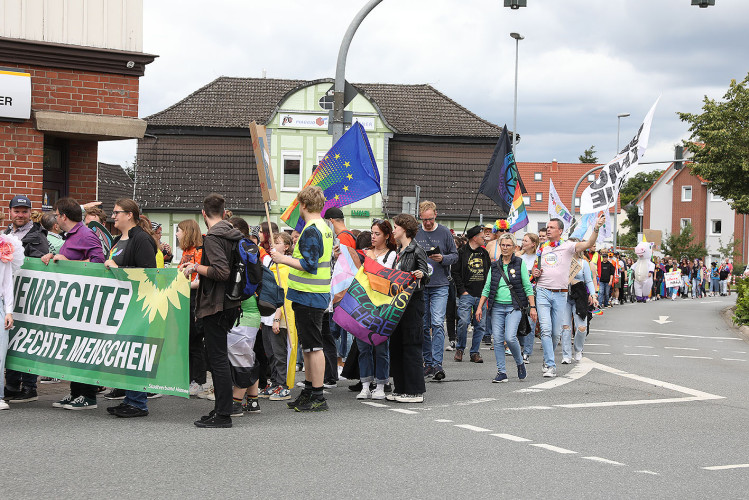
<point x="319" y="122"/>
<point x="15" y="95"/>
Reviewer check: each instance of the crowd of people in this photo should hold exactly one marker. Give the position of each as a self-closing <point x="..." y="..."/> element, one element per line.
<point x="504" y="292"/>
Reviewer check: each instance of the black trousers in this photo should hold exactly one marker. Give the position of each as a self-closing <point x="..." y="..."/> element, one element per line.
<point x="406" y="359"/>
<point x="86" y="390"/>
<point x="329" y="350"/>
<point x="216" y="327"/>
<point x="196" y="358"/>
<point x="451" y="313"/>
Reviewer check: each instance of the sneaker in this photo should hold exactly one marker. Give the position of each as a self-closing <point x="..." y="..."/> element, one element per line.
<point x="280" y="394"/>
<point x="388" y="388"/>
<point x="450" y="346"/>
<point x="81" y="403"/>
<point x="439" y="373"/>
<point x="206" y="394"/>
<point x="4" y="405"/>
<point x="128" y="411"/>
<point x="265" y="393"/>
<point x="476" y="358"/>
<point x="11" y="393"/>
<point x="196" y="388"/>
<point x="508" y="352"/>
<point x="365" y="393"/>
<point x="522" y="373"/>
<point x="410" y="398"/>
<point x="303" y="397"/>
<point x="355" y="387"/>
<point x="378" y="394"/>
<point x="153" y="395"/>
<point x="428" y="371"/>
<point x="458" y="356"/>
<point x="115" y="394"/>
<point x="312" y="405"/>
<point x="252" y="405"/>
<point x="25" y="396"/>
<point x="48" y="380"/>
<point x="236" y="409"/>
<point x="551" y="372"/>
<point x="214" y="422"/>
<point x="566" y="361"/>
<point x="59" y="404"/>
<point x="330" y="384"/>
<point x="393" y="396"/>
<point x="526" y="359"/>
<point x="112" y="409"/>
<point x="579" y="356"/>
<point x="501" y="377"/>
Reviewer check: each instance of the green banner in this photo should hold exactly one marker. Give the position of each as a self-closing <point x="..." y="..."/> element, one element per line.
<point x="123" y="328"/>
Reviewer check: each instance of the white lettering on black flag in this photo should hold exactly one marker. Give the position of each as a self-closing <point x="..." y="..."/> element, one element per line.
<point x="604" y="191"/>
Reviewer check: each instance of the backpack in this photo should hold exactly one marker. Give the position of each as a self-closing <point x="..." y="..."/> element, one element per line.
<point x="270" y="296"/>
<point x="246" y="274"/>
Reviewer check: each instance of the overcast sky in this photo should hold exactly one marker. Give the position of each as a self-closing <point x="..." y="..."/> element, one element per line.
<point x="581" y="63"/>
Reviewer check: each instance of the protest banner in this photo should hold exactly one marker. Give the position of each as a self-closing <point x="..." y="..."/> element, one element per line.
<point x="375" y="302"/>
<point x="124" y="328"/>
<point x="672" y="278"/>
<point x="262" y="161"/>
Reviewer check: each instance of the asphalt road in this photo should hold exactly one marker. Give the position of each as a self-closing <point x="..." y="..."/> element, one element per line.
<point x="655" y="410"/>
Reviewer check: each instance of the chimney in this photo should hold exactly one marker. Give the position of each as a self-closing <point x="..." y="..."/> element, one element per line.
<point x="265" y="74"/>
<point x="554" y="165"/>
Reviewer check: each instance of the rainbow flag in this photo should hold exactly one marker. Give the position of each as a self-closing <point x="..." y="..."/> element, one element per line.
<point x="375" y="302"/>
<point x="347" y="174"/>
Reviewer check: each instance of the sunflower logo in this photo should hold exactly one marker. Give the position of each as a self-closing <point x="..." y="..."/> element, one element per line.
<point x="157" y="295"/>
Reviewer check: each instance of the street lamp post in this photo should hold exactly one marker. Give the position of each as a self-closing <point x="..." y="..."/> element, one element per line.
<point x="616" y="205"/>
<point x="517" y="37"/>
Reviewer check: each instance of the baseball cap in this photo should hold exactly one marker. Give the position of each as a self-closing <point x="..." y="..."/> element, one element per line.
<point x="20" y="201"/>
<point x="333" y="213"/>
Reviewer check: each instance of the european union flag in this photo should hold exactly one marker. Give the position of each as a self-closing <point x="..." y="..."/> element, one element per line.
<point x="347" y="174"/>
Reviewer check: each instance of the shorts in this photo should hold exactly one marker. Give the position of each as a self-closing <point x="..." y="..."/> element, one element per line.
<point x="308" y="326"/>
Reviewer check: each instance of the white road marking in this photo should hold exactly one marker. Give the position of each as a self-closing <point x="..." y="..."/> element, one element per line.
<point x="407" y="412"/>
<point x="726" y="467"/>
<point x="376" y="405"/>
<point x="603" y="460"/>
<point x="528" y="390"/>
<point x="645" y="346"/>
<point x="597" y="353"/>
<point x="641" y="354"/>
<point x="582" y="368"/>
<point x="556" y="449"/>
<point x="648" y="472"/>
<point x="732" y="359"/>
<point x="683" y="348"/>
<point x="443" y="420"/>
<point x="636" y="402"/>
<point x="591" y="343"/>
<point x="739" y="352"/>
<point x="662" y="320"/>
<point x="473" y="428"/>
<point x="675" y="335"/>
<point x="694" y="357"/>
<point x="510" y="437"/>
<point x="529" y="408"/>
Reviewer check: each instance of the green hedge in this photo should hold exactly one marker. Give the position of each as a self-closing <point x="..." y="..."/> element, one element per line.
<point x="742" y="302"/>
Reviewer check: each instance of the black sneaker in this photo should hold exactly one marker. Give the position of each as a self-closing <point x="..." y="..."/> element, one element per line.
<point x="303" y="398"/>
<point x="214" y="422"/>
<point x="25" y="396"/>
<point x="439" y="373"/>
<point x="208" y="417"/>
<point x="313" y="405"/>
<point x="236" y="409"/>
<point x="112" y="409"/>
<point x="252" y="406"/>
<point x="129" y="411"/>
<point x="115" y="394"/>
<point x="357" y="387"/>
<point x="11" y="393"/>
<point x="388" y="388"/>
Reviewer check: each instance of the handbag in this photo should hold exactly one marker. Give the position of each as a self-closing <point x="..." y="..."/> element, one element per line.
<point x="524" y="328"/>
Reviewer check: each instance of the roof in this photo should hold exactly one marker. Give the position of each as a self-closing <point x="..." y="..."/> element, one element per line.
<point x="113" y="184"/>
<point x="661" y="177"/>
<point x="229" y="102"/>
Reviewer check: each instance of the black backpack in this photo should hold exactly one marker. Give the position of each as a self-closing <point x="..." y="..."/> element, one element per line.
<point x="246" y="277"/>
<point x="270" y="296"/>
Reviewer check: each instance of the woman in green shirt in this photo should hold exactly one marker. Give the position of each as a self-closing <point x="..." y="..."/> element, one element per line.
<point x="505" y="309"/>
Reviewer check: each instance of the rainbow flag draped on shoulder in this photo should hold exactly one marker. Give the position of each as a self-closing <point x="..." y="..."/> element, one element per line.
<point x="375" y="302"/>
<point x="347" y="174"/>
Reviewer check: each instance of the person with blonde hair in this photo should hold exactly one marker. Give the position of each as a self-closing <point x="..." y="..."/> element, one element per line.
<point x="527" y="252"/>
<point x="581" y="295"/>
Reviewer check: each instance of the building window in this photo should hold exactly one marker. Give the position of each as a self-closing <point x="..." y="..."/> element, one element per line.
<point x="591" y="177"/>
<point x="577" y="201"/>
<point x="685" y="223"/>
<point x="686" y="193"/>
<point x="541" y="226"/>
<point x="715" y="197"/>
<point x="539" y="197"/>
<point x="526" y="199"/>
<point x="537" y="176"/>
<point x="292" y="174"/>
<point x="716" y="226"/>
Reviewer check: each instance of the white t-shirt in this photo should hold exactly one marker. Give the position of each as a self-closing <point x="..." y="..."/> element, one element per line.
<point x="387" y="259"/>
<point x="555" y="265"/>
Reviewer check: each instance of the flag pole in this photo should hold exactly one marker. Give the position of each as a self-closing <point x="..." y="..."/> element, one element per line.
<point x="471" y="212"/>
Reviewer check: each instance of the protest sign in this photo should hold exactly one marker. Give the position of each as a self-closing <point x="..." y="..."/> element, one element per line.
<point x="262" y="161"/>
<point x="672" y="279"/>
<point x="124" y="328"/>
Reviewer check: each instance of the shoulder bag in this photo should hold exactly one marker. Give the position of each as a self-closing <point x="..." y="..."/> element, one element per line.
<point x="524" y="328"/>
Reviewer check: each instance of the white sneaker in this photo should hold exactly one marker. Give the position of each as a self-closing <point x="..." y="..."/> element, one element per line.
<point x="392" y="396"/>
<point x="566" y="361"/>
<point x="206" y="394"/>
<point x="379" y="393"/>
<point x="196" y="388"/>
<point x="578" y="356"/>
<point x="4" y="405"/>
<point x="365" y="392"/>
<point x="551" y="372"/>
<point x="410" y="398"/>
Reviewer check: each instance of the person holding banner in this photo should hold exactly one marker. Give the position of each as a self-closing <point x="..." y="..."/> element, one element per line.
<point x="406" y="341"/>
<point x="11" y="259"/>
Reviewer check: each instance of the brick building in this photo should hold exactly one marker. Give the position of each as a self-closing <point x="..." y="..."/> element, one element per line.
<point x="82" y="62"/>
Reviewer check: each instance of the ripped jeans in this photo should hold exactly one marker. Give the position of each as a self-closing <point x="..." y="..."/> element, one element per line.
<point x="580" y="333"/>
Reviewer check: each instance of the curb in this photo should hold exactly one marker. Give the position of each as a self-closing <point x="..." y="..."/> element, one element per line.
<point x="743" y="331"/>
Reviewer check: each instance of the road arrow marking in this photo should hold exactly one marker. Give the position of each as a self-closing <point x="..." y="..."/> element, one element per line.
<point x="662" y="320"/>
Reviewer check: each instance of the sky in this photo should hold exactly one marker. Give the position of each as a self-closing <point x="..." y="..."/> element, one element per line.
<point x="581" y="63"/>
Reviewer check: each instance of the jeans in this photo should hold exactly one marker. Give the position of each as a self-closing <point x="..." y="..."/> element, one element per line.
<point x="696" y="288"/>
<point x="435" y="305"/>
<point x="137" y="399"/>
<point x="604" y="294"/>
<point x="580" y="322"/>
<point x="216" y="327"/>
<point x="374" y="362"/>
<point x="551" y="309"/>
<point x="467" y="305"/>
<point x="527" y="342"/>
<point x="343" y="339"/>
<point x="505" y="321"/>
<point x="672" y="291"/>
<point x="3" y="346"/>
<point x="715" y="285"/>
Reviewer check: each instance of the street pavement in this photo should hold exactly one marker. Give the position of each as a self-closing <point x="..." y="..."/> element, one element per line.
<point x="656" y="409"/>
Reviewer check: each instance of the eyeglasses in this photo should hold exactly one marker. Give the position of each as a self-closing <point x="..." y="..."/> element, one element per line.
<point x="508" y="245"/>
<point x="115" y="212"/>
<point x="429" y="219"/>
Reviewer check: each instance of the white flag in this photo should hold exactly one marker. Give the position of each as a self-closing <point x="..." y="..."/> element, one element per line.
<point x="604" y="191"/>
<point x="557" y="209"/>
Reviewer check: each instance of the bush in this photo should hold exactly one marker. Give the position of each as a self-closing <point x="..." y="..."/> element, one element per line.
<point x="741" y="316"/>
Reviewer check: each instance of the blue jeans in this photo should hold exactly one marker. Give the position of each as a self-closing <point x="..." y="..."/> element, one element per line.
<point x="505" y="321"/>
<point x="435" y="305"/>
<point x="342" y="338"/>
<point x="551" y="309"/>
<point x="581" y="325"/>
<point x="137" y="399"/>
<point x="3" y="346"/>
<point x="715" y="285"/>
<point x="368" y="369"/>
<point x="604" y="294"/>
<point x="527" y="342"/>
<point x="696" y="288"/>
<point x="467" y="305"/>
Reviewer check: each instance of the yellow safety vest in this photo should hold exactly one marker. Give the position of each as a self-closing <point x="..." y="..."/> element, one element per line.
<point x="303" y="281"/>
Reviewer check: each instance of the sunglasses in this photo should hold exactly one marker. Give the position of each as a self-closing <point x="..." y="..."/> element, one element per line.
<point x="501" y="230"/>
<point x="378" y="221"/>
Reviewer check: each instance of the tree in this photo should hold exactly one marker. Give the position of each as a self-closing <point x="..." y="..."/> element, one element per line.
<point x="637" y="184"/>
<point x="589" y="155"/>
<point x="683" y="245"/>
<point x="720" y="144"/>
<point x="730" y="250"/>
<point x="130" y="168"/>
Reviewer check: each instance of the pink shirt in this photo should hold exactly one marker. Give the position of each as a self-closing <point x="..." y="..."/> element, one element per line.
<point x="555" y="264"/>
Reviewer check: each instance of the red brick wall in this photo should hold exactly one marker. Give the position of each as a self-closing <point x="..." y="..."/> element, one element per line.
<point x="738" y="235"/>
<point x="646" y="213"/>
<point x="21" y="146"/>
<point x="694" y="209"/>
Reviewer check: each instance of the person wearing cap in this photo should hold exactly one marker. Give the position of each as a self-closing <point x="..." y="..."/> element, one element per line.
<point x="20" y="387"/>
<point x="606" y="279"/>
<point x="469" y="274"/>
<point x="345" y="237"/>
